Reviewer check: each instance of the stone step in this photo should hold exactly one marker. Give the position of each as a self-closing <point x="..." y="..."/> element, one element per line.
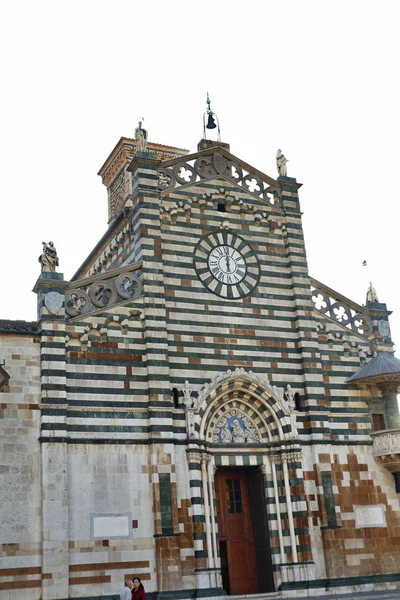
<point x="393" y="594"/>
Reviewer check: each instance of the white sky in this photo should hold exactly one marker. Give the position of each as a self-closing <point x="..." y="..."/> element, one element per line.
<point x="317" y="79"/>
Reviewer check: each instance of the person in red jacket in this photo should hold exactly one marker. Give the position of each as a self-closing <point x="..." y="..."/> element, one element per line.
<point x="138" y="592"/>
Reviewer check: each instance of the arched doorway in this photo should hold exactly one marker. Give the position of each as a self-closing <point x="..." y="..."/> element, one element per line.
<point x="242" y="428"/>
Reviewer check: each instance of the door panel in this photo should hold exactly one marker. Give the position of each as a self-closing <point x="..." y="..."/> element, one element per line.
<point x="236" y="530"/>
<point x="260" y="527"/>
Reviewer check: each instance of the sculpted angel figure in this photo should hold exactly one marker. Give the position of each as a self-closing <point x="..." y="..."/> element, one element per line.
<point x="281" y="162"/>
<point x="226" y="435"/>
<point x="187" y="395"/>
<point x="289" y="395"/>
<point x="48" y="259"/>
<point x="251" y="434"/>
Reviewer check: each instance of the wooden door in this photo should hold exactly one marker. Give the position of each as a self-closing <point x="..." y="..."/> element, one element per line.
<point x="235" y="532"/>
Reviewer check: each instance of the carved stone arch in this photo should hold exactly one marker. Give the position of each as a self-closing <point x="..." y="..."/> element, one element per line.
<point x="261" y="403"/>
<point x="110" y="324"/>
<point x="72" y="342"/>
<point x="89" y="331"/>
<point x="136" y="314"/>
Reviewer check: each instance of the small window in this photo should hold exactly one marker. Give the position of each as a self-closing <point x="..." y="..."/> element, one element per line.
<point x="297" y="401"/>
<point x="378" y="422"/>
<point x="234" y="496"/>
<point x="175" y="397"/>
<point x="221" y="207"/>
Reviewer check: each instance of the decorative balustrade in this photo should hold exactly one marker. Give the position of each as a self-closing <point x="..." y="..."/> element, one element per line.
<point x="386" y="448"/>
<point x="102" y="291"/>
<point x="212" y="165"/>
<point x="345" y="312"/>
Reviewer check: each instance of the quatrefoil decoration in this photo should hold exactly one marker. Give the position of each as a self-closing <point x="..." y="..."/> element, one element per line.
<point x="253" y="183"/>
<point x="128" y="286"/>
<point x="362" y="324"/>
<point x="235" y="172"/>
<point x="76" y="303"/>
<point x="184" y="173"/>
<point x="166" y="179"/>
<point x="341" y="313"/>
<point x="321" y="300"/>
<point x="204" y="167"/>
<point x="102" y="294"/>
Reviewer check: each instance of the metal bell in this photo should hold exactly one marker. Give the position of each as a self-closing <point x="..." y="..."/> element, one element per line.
<point x="211" y="123"/>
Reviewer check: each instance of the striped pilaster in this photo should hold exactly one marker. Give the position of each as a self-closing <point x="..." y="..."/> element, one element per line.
<point x="197" y="500"/>
<point x="55" y="527"/>
<point x="289" y="485"/>
<point x="146" y="209"/>
<point x="303" y="320"/>
<point x="166" y="518"/>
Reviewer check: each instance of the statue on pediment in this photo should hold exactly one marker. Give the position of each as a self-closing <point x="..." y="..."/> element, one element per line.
<point x="372" y="296"/>
<point x="141" y="138"/>
<point x="48" y="259"/>
<point x="281" y="162"/>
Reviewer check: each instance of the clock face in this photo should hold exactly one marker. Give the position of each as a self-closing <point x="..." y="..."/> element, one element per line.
<point x="226" y="265"/>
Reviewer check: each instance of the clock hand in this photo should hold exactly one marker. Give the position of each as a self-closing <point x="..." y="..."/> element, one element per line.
<point x="228" y="260"/>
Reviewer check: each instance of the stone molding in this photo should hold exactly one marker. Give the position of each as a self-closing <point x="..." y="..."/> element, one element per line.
<point x="278" y="395"/>
<point x="386" y="449"/>
<point x="386" y="442"/>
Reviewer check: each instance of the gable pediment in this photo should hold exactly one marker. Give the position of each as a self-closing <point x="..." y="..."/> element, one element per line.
<point x="216" y="164"/>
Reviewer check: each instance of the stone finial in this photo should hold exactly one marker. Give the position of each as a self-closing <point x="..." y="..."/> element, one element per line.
<point x="372" y="296"/>
<point x="48" y="259"/>
<point x="281" y="162"/>
<point x="141" y="138"/>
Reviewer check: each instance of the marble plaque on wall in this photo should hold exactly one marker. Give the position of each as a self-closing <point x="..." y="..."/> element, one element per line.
<point x="372" y="515"/>
<point x="111" y="526"/>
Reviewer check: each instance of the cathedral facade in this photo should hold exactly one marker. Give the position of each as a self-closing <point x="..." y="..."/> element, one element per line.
<point x="192" y="407"/>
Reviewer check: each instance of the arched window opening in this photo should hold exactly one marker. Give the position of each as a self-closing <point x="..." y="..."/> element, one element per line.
<point x="297" y="401"/>
<point x="175" y="397"/>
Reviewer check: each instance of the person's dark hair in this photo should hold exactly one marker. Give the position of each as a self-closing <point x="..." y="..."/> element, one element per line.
<point x="140" y="582"/>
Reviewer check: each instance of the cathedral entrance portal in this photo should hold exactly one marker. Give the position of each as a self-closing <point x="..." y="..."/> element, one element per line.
<point x="246" y="566"/>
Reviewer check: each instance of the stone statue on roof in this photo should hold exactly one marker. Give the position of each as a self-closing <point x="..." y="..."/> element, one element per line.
<point x="281" y="163"/>
<point x="141" y="138"/>
<point x="48" y="259"/>
<point x="372" y="296"/>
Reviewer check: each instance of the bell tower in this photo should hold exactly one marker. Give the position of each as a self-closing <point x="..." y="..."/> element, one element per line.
<point x="114" y="173"/>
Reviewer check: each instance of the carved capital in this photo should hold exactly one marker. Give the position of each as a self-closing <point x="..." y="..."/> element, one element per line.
<point x="205" y="459"/>
<point x="193" y="456"/>
<point x="285" y="456"/>
<point x="388" y="388"/>
<point x="275" y="458"/>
